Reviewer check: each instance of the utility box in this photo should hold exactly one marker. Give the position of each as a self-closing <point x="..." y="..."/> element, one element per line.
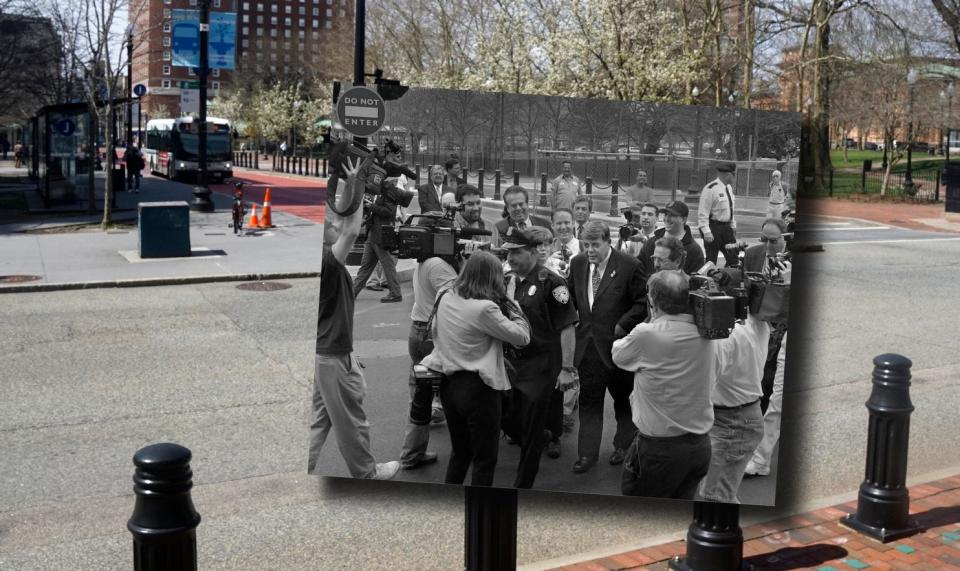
<point x="164" y="229"/>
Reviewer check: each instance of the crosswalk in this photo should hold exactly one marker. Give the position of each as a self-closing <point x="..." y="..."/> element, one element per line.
<point x="842" y="232"/>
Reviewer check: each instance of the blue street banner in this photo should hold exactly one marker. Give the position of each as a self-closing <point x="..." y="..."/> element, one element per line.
<point x="185" y="34"/>
<point x="223" y="40"/>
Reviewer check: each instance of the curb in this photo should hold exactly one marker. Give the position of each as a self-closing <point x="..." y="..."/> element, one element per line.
<point x="405" y="275"/>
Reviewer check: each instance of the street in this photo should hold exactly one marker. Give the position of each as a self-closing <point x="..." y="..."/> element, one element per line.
<point x="93" y="375"/>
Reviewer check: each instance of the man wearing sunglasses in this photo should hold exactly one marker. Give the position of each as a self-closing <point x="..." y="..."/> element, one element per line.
<point x="763" y="256"/>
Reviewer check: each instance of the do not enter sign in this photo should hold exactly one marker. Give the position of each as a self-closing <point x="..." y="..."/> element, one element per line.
<point x="361" y="111"/>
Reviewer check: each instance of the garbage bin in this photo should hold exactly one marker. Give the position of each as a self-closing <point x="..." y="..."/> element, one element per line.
<point x="119" y="178"/>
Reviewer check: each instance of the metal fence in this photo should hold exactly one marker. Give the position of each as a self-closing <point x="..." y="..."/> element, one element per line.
<point x="926" y="182"/>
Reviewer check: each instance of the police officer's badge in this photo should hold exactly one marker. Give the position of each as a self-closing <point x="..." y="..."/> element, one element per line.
<point x="561" y="294"/>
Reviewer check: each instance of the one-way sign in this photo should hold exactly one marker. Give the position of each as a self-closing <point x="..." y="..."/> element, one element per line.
<point x="361" y="111"/>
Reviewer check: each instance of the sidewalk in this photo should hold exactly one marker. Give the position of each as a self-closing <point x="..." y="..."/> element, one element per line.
<point x="927" y="217"/>
<point x="815" y="540"/>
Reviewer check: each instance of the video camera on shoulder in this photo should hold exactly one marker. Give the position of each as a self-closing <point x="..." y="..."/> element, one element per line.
<point x="718" y="298"/>
<point x="380" y="169"/>
<point x="426" y="236"/>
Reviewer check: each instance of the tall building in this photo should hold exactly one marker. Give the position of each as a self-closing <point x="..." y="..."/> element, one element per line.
<point x="274" y="38"/>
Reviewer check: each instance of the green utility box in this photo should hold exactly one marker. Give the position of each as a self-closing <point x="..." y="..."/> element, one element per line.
<point x="164" y="229"/>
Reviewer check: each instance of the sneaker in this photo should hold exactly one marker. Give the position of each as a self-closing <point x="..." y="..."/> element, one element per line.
<point x="437" y="417"/>
<point x="753" y="470"/>
<point x="386" y="471"/>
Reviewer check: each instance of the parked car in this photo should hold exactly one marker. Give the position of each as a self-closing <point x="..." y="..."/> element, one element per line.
<point x="921" y="146"/>
<point x="850" y="143"/>
<point x="870" y="146"/>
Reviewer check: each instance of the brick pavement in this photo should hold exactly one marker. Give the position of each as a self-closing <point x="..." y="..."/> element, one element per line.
<point x="815" y="540"/>
<point x="902" y="214"/>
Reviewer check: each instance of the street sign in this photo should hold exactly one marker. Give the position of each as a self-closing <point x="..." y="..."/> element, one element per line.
<point x="65" y="127"/>
<point x="185" y="34"/>
<point x="189" y="85"/>
<point x="361" y="111"/>
<point x="139" y="90"/>
<point x="189" y="101"/>
<point x="222" y="40"/>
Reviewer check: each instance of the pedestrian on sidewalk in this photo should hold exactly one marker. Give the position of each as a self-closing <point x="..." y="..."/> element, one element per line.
<point x="134" y="161"/>
<point x="777" y="197"/>
<point x="338" y="383"/>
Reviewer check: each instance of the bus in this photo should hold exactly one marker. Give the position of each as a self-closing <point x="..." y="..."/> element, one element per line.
<point x="172" y="147"/>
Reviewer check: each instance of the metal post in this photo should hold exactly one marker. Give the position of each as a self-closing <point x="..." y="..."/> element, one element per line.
<point x="324" y="168"/>
<point x="496" y="184"/>
<point x="490" y="538"/>
<point x="480" y="182"/>
<point x="614" y="196"/>
<point x="130" y="88"/>
<point x="936" y="189"/>
<point x="588" y="182"/>
<point x="256" y="159"/>
<point x="164" y="521"/>
<point x="543" y="189"/>
<point x="714" y="539"/>
<point x="516" y="178"/>
<point x="883" y="503"/>
<point x="831" y="182"/>
<point x="201" y="194"/>
<point x="863" y="178"/>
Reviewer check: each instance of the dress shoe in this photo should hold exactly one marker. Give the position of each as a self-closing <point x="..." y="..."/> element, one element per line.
<point x="391" y="298"/>
<point x="553" y="449"/>
<point x="583" y="464"/>
<point x="617" y="457"/>
<point x="374" y="287"/>
<point x="424" y="459"/>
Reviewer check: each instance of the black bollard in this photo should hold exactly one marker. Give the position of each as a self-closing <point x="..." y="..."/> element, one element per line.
<point x="164" y="521"/>
<point x="480" y="182"/>
<point x="496" y="184"/>
<point x="883" y="503"/>
<point x="256" y="159"/>
<point x="324" y="168"/>
<point x="614" y="197"/>
<point x="543" y="189"/>
<point x="516" y="178"/>
<point x="274" y="162"/>
<point x="714" y="539"/>
<point x="588" y="183"/>
<point x="490" y="539"/>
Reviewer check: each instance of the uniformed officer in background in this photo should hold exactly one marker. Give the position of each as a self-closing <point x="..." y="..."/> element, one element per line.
<point x="546" y="364"/>
<point x="716" y="215"/>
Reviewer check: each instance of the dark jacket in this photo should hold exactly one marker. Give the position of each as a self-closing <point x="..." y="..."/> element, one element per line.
<point x="427" y="197"/>
<point x="382" y="212"/>
<point x="694" y="260"/>
<point x="619" y="301"/>
<point x="535" y="220"/>
<point x="133" y="160"/>
<point x="754" y="258"/>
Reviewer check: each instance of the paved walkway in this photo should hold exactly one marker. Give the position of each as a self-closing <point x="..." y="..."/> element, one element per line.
<point x="914" y="216"/>
<point x="815" y="540"/>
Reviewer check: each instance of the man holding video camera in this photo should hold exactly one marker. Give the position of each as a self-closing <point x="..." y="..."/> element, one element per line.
<point x="383" y="212"/>
<point x="673" y="368"/>
<point x="546" y="363"/>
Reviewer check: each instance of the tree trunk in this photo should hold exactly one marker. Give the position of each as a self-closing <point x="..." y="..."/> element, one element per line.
<point x="111" y="160"/>
<point x="819" y="140"/>
<point x="92" y="153"/>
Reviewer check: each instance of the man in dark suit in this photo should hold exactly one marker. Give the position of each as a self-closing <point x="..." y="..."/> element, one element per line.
<point x="771" y="244"/>
<point x="430" y="194"/>
<point x="607" y="287"/>
<point x="515" y="212"/>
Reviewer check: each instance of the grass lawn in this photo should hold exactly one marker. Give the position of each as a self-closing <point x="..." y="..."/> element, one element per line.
<point x="855" y="158"/>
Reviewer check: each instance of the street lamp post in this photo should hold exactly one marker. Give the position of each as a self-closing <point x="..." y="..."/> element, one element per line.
<point x="908" y="179"/>
<point x="945" y="137"/>
<point x="201" y="194"/>
<point x="129" y="85"/>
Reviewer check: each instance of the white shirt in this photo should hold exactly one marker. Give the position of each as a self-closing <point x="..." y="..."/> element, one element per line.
<point x="715" y="205"/>
<point x="740" y="361"/>
<point x="601" y="267"/>
<point x="674" y="371"/>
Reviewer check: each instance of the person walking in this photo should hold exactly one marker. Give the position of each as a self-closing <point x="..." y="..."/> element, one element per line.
<point x="134" y="162"/>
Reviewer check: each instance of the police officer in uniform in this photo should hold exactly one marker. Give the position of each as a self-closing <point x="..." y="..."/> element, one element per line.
<point x="715" y="215"/>
<point x="546" y="364"/>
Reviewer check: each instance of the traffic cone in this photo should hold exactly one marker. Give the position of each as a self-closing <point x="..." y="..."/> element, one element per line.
<point x="254" y="221"/>
<point x="265" y="220"/>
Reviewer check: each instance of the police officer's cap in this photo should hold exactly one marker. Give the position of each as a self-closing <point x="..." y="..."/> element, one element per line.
<point x="516" y="238"/>
<point x="727" y="167"/>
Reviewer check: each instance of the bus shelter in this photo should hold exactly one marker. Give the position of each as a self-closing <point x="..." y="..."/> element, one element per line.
<point x="64" y="151"/>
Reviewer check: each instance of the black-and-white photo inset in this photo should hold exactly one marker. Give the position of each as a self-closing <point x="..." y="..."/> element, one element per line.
<point x="560" y="294"/>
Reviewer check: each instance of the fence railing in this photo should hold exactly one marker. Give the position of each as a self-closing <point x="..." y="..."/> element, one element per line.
<point x="926" y="184"/>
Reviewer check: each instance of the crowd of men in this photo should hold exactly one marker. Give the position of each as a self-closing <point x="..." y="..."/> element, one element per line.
<point x="605" y="316"/>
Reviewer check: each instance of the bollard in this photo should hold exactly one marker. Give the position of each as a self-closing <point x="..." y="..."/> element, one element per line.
<point x="614" y="197"/>
<point x="300" y="166"/>
<point x="496" y="184"/>
<point x="274" y="162"/>
<point x="416" y="169"/>
<point x="543" y="189"/>
<point x="883" y="503"/>
<point x="490" y="531"/>
<point x="256" y="159"/>
<point x="589" y="184"/>
<point x="516" y="178"/>
<point x="164" y="521"/>
<point x="324" y="168"/>
<point x="714" y="539"/>
<point x="480" y="182"/>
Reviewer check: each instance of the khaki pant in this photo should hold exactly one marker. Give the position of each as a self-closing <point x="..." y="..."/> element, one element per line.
<point x="338" y="391"/>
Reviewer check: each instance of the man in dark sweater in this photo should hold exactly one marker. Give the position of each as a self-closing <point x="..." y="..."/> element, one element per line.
<point x="338" y="384"/>
<point x="675" y="224"/>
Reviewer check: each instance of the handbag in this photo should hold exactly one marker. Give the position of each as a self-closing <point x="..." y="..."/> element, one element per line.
<point x="421" y="373"/>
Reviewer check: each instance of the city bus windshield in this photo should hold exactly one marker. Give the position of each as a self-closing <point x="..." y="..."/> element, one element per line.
<point x="218" y="145"/>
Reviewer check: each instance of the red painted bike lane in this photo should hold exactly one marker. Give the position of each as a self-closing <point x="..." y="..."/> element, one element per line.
<point x="301" y="197"/>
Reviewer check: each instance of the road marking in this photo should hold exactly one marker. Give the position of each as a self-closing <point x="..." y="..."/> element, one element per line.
<point x="894" y="241"/>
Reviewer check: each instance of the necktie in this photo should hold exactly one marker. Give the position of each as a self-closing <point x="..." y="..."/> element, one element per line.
<point x="726" y="187"/>
<point x="596" y="279"/>
<point x="579" y="231"/>
<point x="522" y="225"/>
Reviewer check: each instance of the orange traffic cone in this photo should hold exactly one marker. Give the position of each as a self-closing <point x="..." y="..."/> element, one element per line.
<point x="265" y="220"/>
<point x="254" y="221"/>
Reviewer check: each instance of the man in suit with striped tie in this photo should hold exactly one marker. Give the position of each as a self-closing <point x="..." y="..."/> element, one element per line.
<point x="607" y="287"/>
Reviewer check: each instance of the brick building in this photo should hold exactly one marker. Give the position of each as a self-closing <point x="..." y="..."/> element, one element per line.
<point x="274" y="37"/>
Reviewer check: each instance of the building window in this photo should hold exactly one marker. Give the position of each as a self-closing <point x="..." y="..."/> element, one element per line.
<point x="273" y="69"/>
<point x="167" y="1"/>
<point x="303" y="23"/>
<point x="166" y="42"/>
<point x="302" y="35"/>
<point x="286" y="33"/>
<point x="246" y="18"/>
<point x="273" y="32"/>
<point x="216" y="86"/>
<point x="166" y="55"/>
<point x="329" y="12"/>
<point x="315" y="11"/>
<point x="328" y="25"/>
<point x="273" y="8"/>
<point x="343" y="13"/>
<point x="329" y="2"/>
<point x="316" y="23"/>
<point x="246" y="31"/>
<point x="273" y="57"/>
<point x="259" y="31"/>
<point x="302" y="10"/>
<point x="288" y="9"/>
<point x="259" y="18"/>
<point x="167" y="13"/>
<point x="166" y="27"/>
<point x="273" y="20"/>
<point x="165" y="83"/>
<point x="259" y="43"/>
<point x="286" y="22"/>
<point x="190" y="72"/>
<point x="246" y="6"/>
<point x="316" y="34"/>
<point x="216" y="3"/>
<point x="245" y="43"/>
<point x="193" y="2"/>
<point x="216" y="72"/>
<point x="166" y="70"/>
